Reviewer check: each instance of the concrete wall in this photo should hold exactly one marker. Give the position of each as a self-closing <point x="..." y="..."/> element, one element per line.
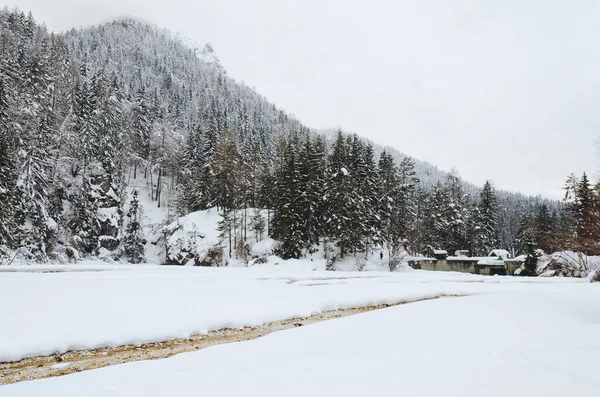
<point x="461" y="266"/>
<point x="452" y="266"/>
<point x="511" y="266"/>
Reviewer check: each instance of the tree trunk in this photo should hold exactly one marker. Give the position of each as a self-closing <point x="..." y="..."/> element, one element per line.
<point x="151" y="184"/>
<point x="245" y="220"/>
<point x="230" y="239"/>
<point x="159" y="186"/>
<point x="235" y="229"/>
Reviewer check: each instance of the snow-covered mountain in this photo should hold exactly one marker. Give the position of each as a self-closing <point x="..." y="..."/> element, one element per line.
<point x="89" y="110"/>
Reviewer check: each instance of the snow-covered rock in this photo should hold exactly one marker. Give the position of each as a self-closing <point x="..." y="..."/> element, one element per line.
<point x="192" y="239"/>
<point x="564" y="264"/>
<point x="596" y="276"/>
<point x="265" y="247"/>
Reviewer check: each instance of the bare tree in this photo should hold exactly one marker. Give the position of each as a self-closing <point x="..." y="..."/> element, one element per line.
<point x="398" y="254"/>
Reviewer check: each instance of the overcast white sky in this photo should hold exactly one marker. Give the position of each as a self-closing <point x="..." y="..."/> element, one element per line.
<point x="506" y="90"/>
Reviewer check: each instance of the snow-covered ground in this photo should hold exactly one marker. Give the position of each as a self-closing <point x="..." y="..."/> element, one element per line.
<point x="511" y="338"/>
<point x="95" y="305"/>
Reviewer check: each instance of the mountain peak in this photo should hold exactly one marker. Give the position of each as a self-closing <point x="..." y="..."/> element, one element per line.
<point x="208" y="55"/>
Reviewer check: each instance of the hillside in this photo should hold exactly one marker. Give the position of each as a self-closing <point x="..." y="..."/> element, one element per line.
<point x="91" y="115"/>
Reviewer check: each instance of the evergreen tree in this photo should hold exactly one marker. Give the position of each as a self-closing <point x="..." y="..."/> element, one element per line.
<point x="133" y="240"/>
<point x="340" y="222"/>
<point x="544" y="229"/>
<point x="388" y="185"/>
<point x="141" y="129"/>
<point x="586" y="217"/>
<point x="8" y="172"/>
<point x="225" y="166"/>
<point x="197" y="178"/>
<point x="225" y="228"/>
<point x="87" y="145"/>
<point x="83" y="222"/>
<point x="370" y="198"/>
<point x="404" y="209"/>
<point x="312" y="183"/>
<point x="357" y="199"/>
<point x="109" y="124"/>
<point x="267" y="192"/>
<point x="457" y="214"/>
<point x="288" y="225"/>
<point x="486" y="234"/>
<point x="417" y="230"/>
<point x="435" y="222"/>
<point x="258" y="225"/>
<point x="35" y="189"/>
<point x="530" y="265"/>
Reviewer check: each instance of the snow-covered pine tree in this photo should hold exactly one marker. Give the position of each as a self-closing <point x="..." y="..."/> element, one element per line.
<point x="544" y="232"/>
<point x="530" y="265"/>
<point x="288" y="225"/>
<point x="586" y="217"/>
<point x="405" y="205"/>
<point x="196" y="177"/>
<point x="258" y="224"/>
<point x="141" y="130"/>
<point x="340" y="201"/>
<point x="486" y="233"/>
<point x="133" y="240"/>
<point x="109" y="123"/>
<point x="435" y="221"/>
<point x="308" y="197"/>
<point x="457" y="214"/>
<point x="316" y="190"/>
<point x="8" y="172"/>
<point x="388" y="186"/>
<point x="38" y="141"/>
<point x="357" y="198"/>
<point x="370" y="195"/>
<point x="225" y="166"/>
<point x="87" y="145"/>
<point x="267" y="192"/>
<point x="417" y="232"/>
<point x="225" y="228"/>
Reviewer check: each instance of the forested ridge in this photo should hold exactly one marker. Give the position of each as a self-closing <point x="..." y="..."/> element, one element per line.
<point x="83" y="112"/>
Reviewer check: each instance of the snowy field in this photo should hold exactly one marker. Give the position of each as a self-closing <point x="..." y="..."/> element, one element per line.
<point x="511" y="336"/>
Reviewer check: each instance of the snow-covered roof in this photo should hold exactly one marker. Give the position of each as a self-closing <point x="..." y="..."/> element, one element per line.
<point x="500" y="252"/>
<point x="462" y="259"/>
<point x="489" y="262"/>
<point x="440" y="252"/>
